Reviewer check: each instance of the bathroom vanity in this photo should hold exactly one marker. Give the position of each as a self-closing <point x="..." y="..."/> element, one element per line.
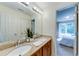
<point x="38" y="47"/>
<point x="45" y="50"/>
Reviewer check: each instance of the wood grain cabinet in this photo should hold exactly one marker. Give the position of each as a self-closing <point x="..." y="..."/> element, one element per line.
<point x="44" y="51"/>
<point x="38" y="53"/>
<point x="47" y="49"/>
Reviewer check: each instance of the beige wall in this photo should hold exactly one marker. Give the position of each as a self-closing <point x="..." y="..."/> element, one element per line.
<point x="12" y="21"/>
<point x="49" y="21"/>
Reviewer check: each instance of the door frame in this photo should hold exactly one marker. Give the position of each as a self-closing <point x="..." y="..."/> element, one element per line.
<point x="75" y="50"/>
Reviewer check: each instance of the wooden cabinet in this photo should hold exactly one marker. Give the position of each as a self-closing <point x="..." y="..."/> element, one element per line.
<point x="38" y="53"/>
<point x="44" y="51"/>
<point x="47" y="49"/>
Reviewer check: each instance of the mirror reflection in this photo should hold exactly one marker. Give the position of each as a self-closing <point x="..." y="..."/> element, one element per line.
<point x="19" y="21"/>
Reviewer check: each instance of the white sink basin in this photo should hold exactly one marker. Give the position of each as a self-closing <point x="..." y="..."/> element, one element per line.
<point x="20" y="50"/>
<point x="39" y="41"/>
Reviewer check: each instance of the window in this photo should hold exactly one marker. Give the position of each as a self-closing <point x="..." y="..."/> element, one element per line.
<point x="67" y="28"/>
<point x="62" y="28"/>
<point x="70" y="28"/>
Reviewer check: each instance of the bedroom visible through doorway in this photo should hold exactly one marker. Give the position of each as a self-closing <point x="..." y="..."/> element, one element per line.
<point x="65" y="31"/>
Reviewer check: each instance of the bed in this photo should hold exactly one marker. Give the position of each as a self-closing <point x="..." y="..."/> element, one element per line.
<point x="67" y="41"/>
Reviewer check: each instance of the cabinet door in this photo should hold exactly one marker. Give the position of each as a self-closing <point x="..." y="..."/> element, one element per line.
<point x="47" y="49"/>
<point x="38" y="53"/>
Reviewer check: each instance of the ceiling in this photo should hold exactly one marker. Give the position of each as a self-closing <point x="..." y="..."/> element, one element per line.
<point x="43" y="6"/>
<point x="56" y="5"/>
<point x="18" y="6"/>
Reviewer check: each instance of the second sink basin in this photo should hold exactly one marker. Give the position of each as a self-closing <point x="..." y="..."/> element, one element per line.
<point x="39" y="41"/>
<point x="19" y="51"/>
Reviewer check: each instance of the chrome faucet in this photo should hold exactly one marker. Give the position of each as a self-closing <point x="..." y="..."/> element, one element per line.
<point x="18" y="42"/>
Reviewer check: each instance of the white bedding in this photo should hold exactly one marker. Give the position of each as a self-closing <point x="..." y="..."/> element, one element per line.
<point x="67" y="41"/>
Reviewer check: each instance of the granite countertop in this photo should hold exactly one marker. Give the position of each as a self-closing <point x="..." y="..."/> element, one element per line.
<point x="29" y="53"/>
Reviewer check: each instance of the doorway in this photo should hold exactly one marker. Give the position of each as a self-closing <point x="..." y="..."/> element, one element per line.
<point x="66" y="31"/>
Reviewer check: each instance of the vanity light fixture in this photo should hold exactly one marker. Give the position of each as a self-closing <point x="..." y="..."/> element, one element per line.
<point x="27" y="3"/>
<point x="36" y="9"/>
<point x="24" y="3"/>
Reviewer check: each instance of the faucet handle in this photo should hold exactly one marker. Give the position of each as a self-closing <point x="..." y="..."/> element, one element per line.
<point x="19" y="41"/>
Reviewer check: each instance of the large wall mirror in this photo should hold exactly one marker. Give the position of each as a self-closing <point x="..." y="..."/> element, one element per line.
<point x="15" y="19"/>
